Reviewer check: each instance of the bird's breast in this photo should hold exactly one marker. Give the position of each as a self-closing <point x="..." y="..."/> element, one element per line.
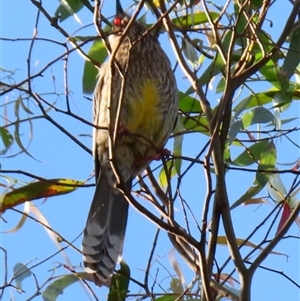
<point x="143" y="111"/>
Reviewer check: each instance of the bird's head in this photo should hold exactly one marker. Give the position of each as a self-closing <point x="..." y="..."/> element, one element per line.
<point x="121" y="21"/>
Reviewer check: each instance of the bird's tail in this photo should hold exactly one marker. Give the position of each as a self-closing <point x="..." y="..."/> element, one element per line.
<point x="103" y="237"/>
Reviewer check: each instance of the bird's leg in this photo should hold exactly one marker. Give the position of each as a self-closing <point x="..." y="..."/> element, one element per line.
<point x="123" y="130"/>
<point x="160" y="154"/>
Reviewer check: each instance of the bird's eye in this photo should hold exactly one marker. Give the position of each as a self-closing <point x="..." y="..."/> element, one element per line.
<point x="118" y="21"/>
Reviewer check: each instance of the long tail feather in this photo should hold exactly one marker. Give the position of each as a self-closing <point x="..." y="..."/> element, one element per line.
<point x="103" y="238"/>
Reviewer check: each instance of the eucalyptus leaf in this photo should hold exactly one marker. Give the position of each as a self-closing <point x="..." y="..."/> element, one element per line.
<point x="257" y="115"/>
<point x="98" y="53"/>
<point x="21" y="272"/>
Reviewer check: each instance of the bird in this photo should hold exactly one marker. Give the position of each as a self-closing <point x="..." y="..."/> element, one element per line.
<point x="136" y="97"/>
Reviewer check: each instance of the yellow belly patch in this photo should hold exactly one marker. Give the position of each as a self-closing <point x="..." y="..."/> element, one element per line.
<point x="144" y="115"/>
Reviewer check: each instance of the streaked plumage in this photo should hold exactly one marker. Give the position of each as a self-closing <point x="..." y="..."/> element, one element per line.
<point x="149" y="109"/>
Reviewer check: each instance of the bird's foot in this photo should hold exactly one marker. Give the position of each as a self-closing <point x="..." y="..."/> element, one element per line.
<point x="160" y="154"/>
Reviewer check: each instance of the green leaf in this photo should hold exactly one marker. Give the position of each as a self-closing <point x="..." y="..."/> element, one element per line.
<point x="68" y="8"/>
<point x="256" y="3"/>
<point x="178" y="141"/>
<point x="251" y="192"/>
<point x="276" y="188"/>
<point x="241" y="22"/>
<point x="270" y="72"/>
<point x="221" y="85"/>
<point x="167" y="298"/>
<point x="196" y="124"/>
<point x="254" y="101"/>
<point x="26" y="109"/>
<point x="190" y="52"/>
<point x="97" y="53"/>
<point x="285" y="121"/>
<point x="37" y="190"/>
<point x="18" y="140"/>
<point x="227" y="153"/>
<point x="216" y="66"/>
<point x="257" y="115"/>
<point x="267" y="161"/>
<point x="266" y="97"/>
<point x="57" y="287"/>
<point x="292" y="58"/>
<point x="176" y="286"/>
<point x="7" y="140"/>
<point x="282" y="101"/>
<point x="163" y="179"/>
<point x="21" y="272"/>
<point x="17" y="106"/>
<point x="235" y="128"/>
<point x="194" y="19"/>
<point x="251" y="154"/>
<point x="188" y="104"/>
<point x="119" y="284"/>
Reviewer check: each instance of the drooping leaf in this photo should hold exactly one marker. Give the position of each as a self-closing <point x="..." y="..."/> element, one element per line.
<point x="263" y="98"/>
<point x="255" y="201"/>
<point x="286" y="121"/>
<point x="18" y="140"/>
<point x="188" y="104"/>
<point x="292" y="58"/>
<point x="190" y="52"/>
<point x="227" y="153"/>
<point x="7" y="140"/>
<point x="171" y="171"/>
<point x="167" y="298"/>
<point x="57" y="287"/>
<point x="97" y="53"/>
<point x="221" y="85"/>
<point x="178" y="141"/>
<point x="21" y="222"/>
<point x="176" y="286"/>
<point x="241" y="23"/>
<point x="286" y="212"/>
<point x="276" y="188"/>
<point x="54" y="237"/>
<point x="253" y="101"/>
<point x="25" y="108"/>
<point x="68" y="8"/>
<point x="256" y="3"/>
<point x="37" y="190"/>
<point x="278" y="193"/>
<point x="17" y="134"/>
<point x="194" y="19"/>
<point x="250" y="193"/>
<point x="216" y="66"/>
<point x="252" y="154"/>
<point x="257" y="115"/>
<point x="282" y="101"/>
<point x="267" y="161"/>
<point x="270" y="71"/>
<point x="196" y="123"/>
<point x="235" y="128"/>
<point x="222" y="240"/>
<point x="21" y="272"/>
<point x="119" y="284"/>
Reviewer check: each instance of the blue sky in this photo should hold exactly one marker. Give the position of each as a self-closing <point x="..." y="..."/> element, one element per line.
<point x="58" y="157"/>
